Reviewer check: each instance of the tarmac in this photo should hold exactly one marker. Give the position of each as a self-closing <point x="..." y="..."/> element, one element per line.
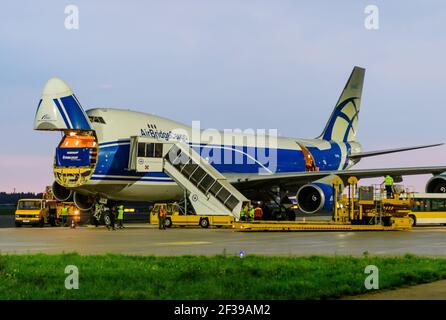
<point x="145" y="239"/>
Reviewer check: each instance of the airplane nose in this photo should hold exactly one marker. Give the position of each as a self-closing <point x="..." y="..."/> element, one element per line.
<point x="59" y="109"/>
<point x="56" y="87"/>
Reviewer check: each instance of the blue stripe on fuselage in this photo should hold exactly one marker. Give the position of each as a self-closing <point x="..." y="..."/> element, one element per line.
<point x="113" y="159"/>
<point x="328" y="159"/>
<point x="103" y="144"/>
<point x="111" y="178"/>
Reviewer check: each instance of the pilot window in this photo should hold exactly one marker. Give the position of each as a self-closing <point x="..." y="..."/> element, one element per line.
<point x="150" y="150"/>
<point x="94" y="119"/>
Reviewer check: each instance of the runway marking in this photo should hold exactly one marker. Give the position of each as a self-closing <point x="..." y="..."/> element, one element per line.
<point x="183" y="243"/>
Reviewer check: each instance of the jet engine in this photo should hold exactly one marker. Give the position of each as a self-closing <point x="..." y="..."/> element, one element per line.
<point x="83" y="202"/>
<point x="436" y="184"/>
<point x="316" y="196"/>
<point x="61" y="193"/>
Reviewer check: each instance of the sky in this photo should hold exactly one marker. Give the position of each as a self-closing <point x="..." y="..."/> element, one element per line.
<point x="229" y="64"/>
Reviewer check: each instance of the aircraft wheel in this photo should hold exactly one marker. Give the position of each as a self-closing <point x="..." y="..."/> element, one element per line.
<point x="107" y="219"/>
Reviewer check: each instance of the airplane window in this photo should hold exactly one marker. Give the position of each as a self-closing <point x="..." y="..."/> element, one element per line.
<point x="96" y="120"/>
<point x="141" y="149"/>
<point x="158" y="150"/>
<point x="150" y="150"/>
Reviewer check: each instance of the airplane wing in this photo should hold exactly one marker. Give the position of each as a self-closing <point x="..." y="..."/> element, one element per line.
<point x="387" y="151"/>
<point x="253" y="181"/>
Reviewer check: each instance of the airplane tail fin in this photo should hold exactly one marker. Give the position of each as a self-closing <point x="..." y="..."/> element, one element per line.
<point x="343" y="121"/>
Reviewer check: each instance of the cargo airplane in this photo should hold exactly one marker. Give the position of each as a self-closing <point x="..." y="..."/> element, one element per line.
<point x="93" y="161"/>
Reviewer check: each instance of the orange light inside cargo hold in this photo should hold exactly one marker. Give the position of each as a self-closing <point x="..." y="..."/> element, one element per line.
<point x="76" y="141"/>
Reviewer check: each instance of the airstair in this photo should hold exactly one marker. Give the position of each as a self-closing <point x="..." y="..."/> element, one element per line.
<point x="208" y="191"/>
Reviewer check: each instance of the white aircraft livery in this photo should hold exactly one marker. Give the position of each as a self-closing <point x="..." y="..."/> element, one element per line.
<point x="108" y="155"/>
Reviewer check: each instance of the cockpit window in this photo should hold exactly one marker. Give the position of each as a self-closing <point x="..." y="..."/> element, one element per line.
<point x="95" y="119"/>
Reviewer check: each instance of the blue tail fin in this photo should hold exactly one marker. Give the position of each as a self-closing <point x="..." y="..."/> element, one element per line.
<point x="343" y="121"/>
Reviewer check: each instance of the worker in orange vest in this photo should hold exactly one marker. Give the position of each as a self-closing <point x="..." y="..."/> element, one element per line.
<point x="258" y="212"/>
<point x="162" y="218"/>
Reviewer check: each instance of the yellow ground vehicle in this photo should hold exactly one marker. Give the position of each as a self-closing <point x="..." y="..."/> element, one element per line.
<point x="428" y="208"/>
<point x="43" y="211"/>
<point x="363" y="209"/>
<point x="176" y="218"/>
<point x="36" y="212"/>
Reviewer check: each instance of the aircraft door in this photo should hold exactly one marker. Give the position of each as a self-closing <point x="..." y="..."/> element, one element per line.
<point x="310" y="164"/>
<point x="146" y="155"/>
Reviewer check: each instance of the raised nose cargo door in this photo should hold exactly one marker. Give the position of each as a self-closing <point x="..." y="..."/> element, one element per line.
<point x="59" y="109"/>
<point x="77" y="153"/>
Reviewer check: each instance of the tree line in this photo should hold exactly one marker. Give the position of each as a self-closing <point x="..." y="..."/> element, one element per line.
<point x="13" y="198"/>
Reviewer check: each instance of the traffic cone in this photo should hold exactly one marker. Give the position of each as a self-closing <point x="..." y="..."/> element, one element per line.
<point x="73" y="225"/>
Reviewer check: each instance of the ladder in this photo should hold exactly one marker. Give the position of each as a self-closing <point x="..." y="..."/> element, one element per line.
<point x="208" y="190"/>
<point x="378" y="197"/>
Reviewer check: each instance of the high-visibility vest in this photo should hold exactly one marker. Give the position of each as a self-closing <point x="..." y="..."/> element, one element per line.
<point x="120" y="212"/>
<point x="388" y="181"/>
<point x="258" y="212"/>
<point x="64" y="212"/>
<point x="251" y="213"/>
<point x="243" y="214"/>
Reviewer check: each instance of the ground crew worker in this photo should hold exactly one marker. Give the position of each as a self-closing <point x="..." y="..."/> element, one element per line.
<point x="251" y="213"/>
<point x="120" y="216"/>
<point x="309" y="164"/>
<point x="64" y="215"/>
<point x="112" y="216"/>
<point x="162" y="218"/>
<point x="243" y="214"/>
<point x="388" y="182"/>
<point x="258" y="212"/>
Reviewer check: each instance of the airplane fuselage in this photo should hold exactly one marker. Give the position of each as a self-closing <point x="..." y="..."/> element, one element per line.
<point x="237" y="157"/>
